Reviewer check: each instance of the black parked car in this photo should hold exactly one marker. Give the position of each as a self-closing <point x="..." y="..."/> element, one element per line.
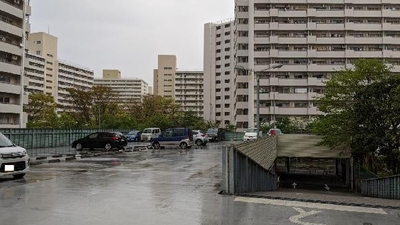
<point x="216" y="134"/>
<point x="106" y="140"/>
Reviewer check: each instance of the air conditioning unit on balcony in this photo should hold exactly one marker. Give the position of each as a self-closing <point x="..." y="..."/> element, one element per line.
<point x="14" y="57"/>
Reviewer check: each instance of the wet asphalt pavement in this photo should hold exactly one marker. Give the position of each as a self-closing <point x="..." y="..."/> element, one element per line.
<point x="167" y="186"/>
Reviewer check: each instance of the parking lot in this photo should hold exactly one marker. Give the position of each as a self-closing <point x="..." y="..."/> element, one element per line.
<point x="167" y="186"/>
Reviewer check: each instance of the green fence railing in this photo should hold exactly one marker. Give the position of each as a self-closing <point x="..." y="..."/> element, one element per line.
<point x="46" y="138"/>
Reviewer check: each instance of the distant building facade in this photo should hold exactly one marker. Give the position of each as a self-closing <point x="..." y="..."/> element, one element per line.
<point x="185" y="87"/>
<point x="128" y="90"/>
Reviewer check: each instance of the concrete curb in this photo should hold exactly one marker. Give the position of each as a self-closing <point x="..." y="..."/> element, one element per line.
<point x="320" y="201"/>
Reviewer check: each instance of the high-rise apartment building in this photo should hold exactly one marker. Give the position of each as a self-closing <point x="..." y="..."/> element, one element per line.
<point x="219" y="73"/>
<point x="14" y="28"/>
<point x="59" y="75"/>
<point x="128" y="90"/>
<point x="46" y="46"/>
<point x="189" y="91"/>
<point x="311" y="40"/>
<point x="35" y="71"/>
<point x="185" y="87"/>
<point x="71" y="75"/>
<point x="164" y="76"/>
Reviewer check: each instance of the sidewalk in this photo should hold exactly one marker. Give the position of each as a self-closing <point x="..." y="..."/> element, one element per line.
<point x="326" y="197"/>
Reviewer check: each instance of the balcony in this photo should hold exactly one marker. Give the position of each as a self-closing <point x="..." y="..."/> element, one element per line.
<point x="243" y="118"/>
<point x="367" y="40"/>
<point x="262" y="26"/>
<point x="330" y="26"/>
<point x="243" y="39"/>
<point x="241" y="105"/>
<point x="368" y="26"/>
<point x="333" y="40"/>
<point x="391" y="54"/>
<point x="284" y="26"/>
<point x="274" y="39"/>
<point x="16" y="50"/>
<point x="261" y="40"/>
<point x="10" y="88"/>
<point x="242" y="14"/>
<point x="327" y="13"/>
<point x="10" y="108"/>
<point x="292" y="13"/>
<point x="293" y="40"/>
<point x="390" y="13"/>
<point x="327" y="68"/>
<point x="367" y="14"/>
<point x="312" y="81"/>
<point x="391" y="27"/>
<point x="292" y="82"/>
<point x="291" y="68"/>
<point x="259" y="13"/>
<point x="242" y="91"/>
<point x="11" y="28"/>
<point x="262" y="54"/>
<point x="242" y="27"/>
<point x="10" y="68"/>
<point x="289" y="111"/>
<point x="291" y="97"/>
<point x="391" y="40"/>
<point x="330" y="54"/>
<point x="294" y="54"/>
<point x="363" y="54"/>
<point x="11" y="9"/>
<point x="28" y="10"/>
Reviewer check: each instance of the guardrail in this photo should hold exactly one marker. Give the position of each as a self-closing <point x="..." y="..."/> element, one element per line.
<point x="387" y="187"/>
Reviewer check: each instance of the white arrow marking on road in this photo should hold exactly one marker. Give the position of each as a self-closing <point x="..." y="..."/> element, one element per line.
<point x="303" y="214"/>
<point x="311" y="205"/>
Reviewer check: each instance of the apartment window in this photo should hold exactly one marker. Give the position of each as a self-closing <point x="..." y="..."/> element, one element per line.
<point x="218" y="113"/>
<point x="50" y="63"/>
<point x="218" y="74"/>
<point x="227" y="64"/>
<point x="243" y="21"/>
<point x="227" y="25"/>
<point x="218" y="58"/>
<point x="243" y="59"/>
<point x="4" y="100"/>
<point x="38" y="42"/>
<point x="218" y="51"/>
<point x="227" y="105"/>
<point x="218" y="35"/>
<point x="227" y="33"/>
<point x="227" y="97"/>
<point x="227" y="41"/>
<point x="218" y="106"/>
<point x="301" y="105"/>
<point x="243" y="33"/>
<point x="218" y="28"/>
<point x="167" y="68"/>
<point x="218" y="43"/>
<point x="227" y="49"/>
<point x="50" y="55"/>
<point x="37" y="52"/>
<point x="218" y="98"/>
<point x="218" y="66"/>
<point x="243" y="8"/>
<point x="227" y="73"/>
<point x="227" y="56"/>
<point x="243" y="46"/>
<point x="5" y="79"/>
<point x="227" y="81"/>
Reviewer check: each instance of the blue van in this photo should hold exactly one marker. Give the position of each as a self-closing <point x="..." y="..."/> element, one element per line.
<point x="174" y="137"/>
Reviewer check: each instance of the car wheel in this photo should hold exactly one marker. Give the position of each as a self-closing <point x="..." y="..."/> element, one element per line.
<point x="19" y="176"/>
<point x="108" y="147"/>
<point x="183" y="145"/>
<point x="156" y="145"/>
<point x="199" y="142"/>
<point x="78" y="147"/>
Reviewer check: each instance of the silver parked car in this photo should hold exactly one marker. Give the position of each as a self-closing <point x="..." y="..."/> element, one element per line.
<point x="199" y="138"/>
<point x="14" y="160"/>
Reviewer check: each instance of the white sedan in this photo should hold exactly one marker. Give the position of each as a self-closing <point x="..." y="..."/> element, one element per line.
<point x="14" y="160"/>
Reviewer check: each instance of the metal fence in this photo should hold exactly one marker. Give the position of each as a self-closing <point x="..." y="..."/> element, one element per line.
<point x="43" y="142"/>
<point x="388" y="187"/>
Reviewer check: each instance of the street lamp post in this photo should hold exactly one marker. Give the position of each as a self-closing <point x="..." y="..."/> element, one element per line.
<point x="252" y="72"/>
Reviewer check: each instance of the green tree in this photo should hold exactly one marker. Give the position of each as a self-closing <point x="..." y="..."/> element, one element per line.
<point x="41" y="110"/>
<point x="361" y="106"/>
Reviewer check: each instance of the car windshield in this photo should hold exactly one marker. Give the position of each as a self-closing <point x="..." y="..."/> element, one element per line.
<point x="147" y="131"/>
<point x="5" y="142"/>
<point x="251" y="130"/>
<point x="133" y="133"/>
<point x="212" y="130"/>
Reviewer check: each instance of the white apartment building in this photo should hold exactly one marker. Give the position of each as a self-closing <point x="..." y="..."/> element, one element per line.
<point x="185" y="87"/>
<point x="35" y="70"/>
<point x="219" y="73"/>
<point x="189" y="91"/>
<point x="14" y="28"/>
<point x="71" y="75"/>
<point x="128" y="90"/>
<point x="312" y="40"/>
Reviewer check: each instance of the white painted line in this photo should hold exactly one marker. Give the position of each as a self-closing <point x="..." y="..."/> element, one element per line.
<point x="311" y="205"/>
<point x="303" y="214"/>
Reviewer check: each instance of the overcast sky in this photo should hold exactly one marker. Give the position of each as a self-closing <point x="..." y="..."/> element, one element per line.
<point x="129" y="34"/>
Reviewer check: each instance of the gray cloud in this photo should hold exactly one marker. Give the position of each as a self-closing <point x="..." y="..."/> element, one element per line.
<point x="129" y="34"/>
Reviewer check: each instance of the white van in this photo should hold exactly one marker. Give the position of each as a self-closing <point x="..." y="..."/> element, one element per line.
<point x="150" y="133"/>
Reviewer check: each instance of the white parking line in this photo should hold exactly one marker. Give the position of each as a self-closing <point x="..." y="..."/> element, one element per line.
<point x="303" y="214"/>
<point x="311" y="205"/>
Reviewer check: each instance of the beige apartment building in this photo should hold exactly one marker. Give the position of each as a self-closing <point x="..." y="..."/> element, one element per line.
<point x="219" y="73"/>
<point x="164" y="76"/>
<point x="185" y="87"/>
<point x="189" y="91"/>
<point x="128" y="90"/>
<point x="35" y="71"/>
<point x="59" y="75"/>
<point x="46" y="46"/>
<point x="311" y="40"/>
<point x="14" y="28"/>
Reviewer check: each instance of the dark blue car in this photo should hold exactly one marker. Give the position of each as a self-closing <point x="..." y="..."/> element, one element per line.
<point x="133" y="135"/>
